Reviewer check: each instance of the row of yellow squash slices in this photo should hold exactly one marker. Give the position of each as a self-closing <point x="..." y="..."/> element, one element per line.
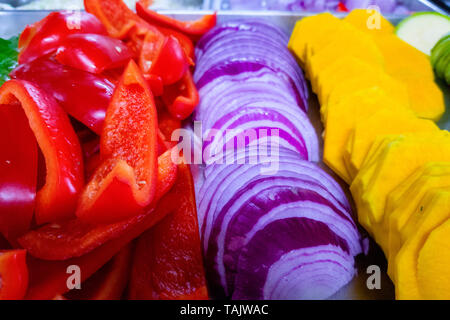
<point x="378" y="103"/>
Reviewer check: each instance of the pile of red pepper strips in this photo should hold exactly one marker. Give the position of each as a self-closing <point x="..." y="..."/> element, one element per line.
<point x="86" y="164"/>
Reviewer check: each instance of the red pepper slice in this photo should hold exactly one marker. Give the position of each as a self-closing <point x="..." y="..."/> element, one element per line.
<point x="13" y="274"/>
<point x="117" y="18"/>
<point x="48" y="278"/>
<point x="167" y="123"/>
<point x="155" y="83"/>
<point x="83" y="95"/>
<point x="18" y="172"/>
<point x="160" y="55"/>
<point x="164" y="57"/>
<point x="59" y="144"/>
<point x="341" y="7"/>
<point x="168" y="261"/>
<point x="75" y="238"/>
<point x="182" y="97"/>
<point x="109" y="282"/>
<point x="194" y="29"/>
<point x="93" y="53"/>
<point x="185" y="42"/>
<point x="45" y="36"/>
<point x="126" y="180"/>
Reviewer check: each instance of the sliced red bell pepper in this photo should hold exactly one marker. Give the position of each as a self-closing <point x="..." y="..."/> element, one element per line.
<point x="182" y="97"/>
<point x="4" y="243"/>
<point x="185" y="42"/>
<point x="48" y="278"/>
<point x="164" y="57"/>
<point x="160" y="55"/>
<point x="125" y="182"/>
<point x="109" y="282"/>
<point x="194" y="29"/>
<point x="18" y="172"/>
<point x="155" y="83"/>
<point x="168" y="261"/>
<point x="341" y="7"/>
<point x="75" y="238"/>
<point x="13" y="274"/>
<point x="167" y="123"/>
<point x="118" y="19"/>
<point x="91" y="156"/>
<point x="59" y="144"/>
<point x="83" y="95"/>
<point x="45" y="36"/>
<point x="93" y="53"/>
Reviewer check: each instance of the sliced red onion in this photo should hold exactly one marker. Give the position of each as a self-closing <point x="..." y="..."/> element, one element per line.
<point x="258" y="27"/>
<point x="309" y="273"/>
<point x="246" y="45"/>
<point x="276" y="245"/>
<point x="249" y="83"/>
<point x="248" y="70"/>
<point x="222" y="207"/>
<point x="235" y="92"/>
<point x="258" y="205"/>
<point x="303" y="136"/>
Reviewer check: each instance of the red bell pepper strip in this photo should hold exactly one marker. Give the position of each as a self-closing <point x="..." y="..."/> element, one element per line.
<point x="48" y="278"/>
<point x="93" y="53"/>
<point x="45" y="36"/>
<point x="341" y="7"/>
<point x="155" y="83"/>
<point x="185" y="42"/>
<point x="164" y="57"/>
<point x="13" y="274"/>
<point x="168" y="261"/>
<point x="59" y="144"/>
<point x="4" y="243"/>
<point x="109" y="282"/>
<point x="117" y="18"/>
<point x="167" y="123"/>
<point x="83" y="95"/>
<point x="158" y="54"/>
<point x="194" y="29"/>
<point x="75" y="238"/>
<point x="126" y="180"/>
<point x="18" y="172"/>
<point x="182" y="97"/>
<point x="91" y="156"/>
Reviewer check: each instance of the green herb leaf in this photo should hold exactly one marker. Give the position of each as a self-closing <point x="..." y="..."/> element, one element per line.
<point x="8" y="57"/>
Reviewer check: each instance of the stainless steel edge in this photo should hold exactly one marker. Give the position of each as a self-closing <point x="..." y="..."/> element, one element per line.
<point x="12" y="22"/>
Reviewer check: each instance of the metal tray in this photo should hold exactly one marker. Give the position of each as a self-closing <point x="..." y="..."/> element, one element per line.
<point x="13" y="22"/>
<point x="413" y="5"/>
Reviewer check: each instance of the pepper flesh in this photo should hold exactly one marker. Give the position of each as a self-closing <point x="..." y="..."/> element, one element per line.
<point x="59" y="144"/>
<point x="93" y="53"/>
<point x="48" y="278"/>
<point x="185" y="42"/>
<point x="117" y="18"/>
<point x="75" y="238"/>
<point x="18" y="169"/>
<point x="158" y="54"/>
<point x="83" y="95"/>
<point x="194" y="29"/>
<point x="13" y="274"/>
<point x="109" y="282"/>
<point x="182" y="97"/>
<point x="164" y="57"/>
<point x="168" y="260"/>
<point x="125" y="181"/>
<point x="45" y="36"/>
